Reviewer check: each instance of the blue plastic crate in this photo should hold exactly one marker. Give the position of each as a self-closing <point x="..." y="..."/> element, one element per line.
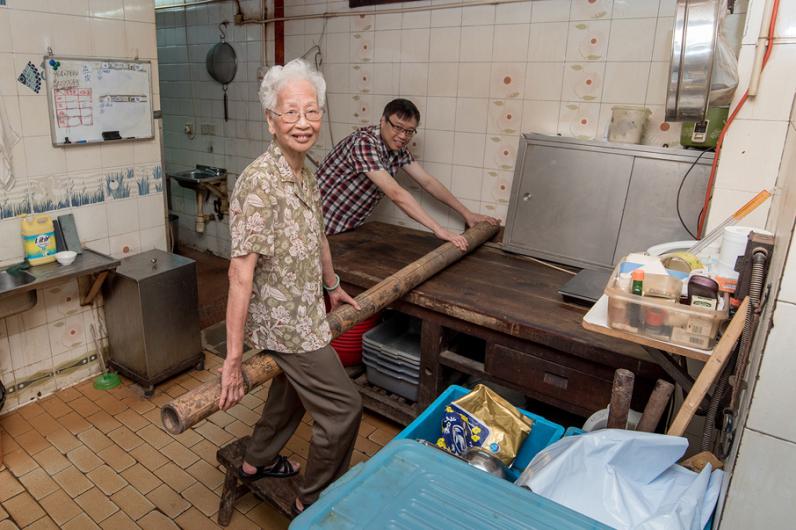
<point x="407" y="485"/>
<point x="428" y="426"/>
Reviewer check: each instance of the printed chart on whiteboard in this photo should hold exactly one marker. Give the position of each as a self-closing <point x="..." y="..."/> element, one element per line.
<point x="95" y="100"/>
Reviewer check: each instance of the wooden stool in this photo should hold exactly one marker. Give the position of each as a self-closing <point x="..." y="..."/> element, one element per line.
<point x="281" y="492"/>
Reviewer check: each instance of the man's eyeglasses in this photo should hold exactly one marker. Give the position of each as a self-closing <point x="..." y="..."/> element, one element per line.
<point x="401" y="130"/>
<point x="293" y="116"/>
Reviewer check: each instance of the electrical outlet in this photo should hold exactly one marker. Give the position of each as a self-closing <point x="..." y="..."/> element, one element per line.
<point x="208" y="129"/>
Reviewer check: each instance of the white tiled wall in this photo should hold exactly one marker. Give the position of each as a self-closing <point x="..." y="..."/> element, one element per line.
<point x="51" y="345"/>
<point x="480" y="76"/>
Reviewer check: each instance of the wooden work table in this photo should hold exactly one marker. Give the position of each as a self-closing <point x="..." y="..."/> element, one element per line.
<point x="495" y="316"/>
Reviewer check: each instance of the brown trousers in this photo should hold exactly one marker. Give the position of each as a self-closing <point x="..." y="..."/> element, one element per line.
<point x="316" y="382"/>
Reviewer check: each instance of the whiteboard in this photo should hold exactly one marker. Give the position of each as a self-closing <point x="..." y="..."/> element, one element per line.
<point x="91" y="96"/>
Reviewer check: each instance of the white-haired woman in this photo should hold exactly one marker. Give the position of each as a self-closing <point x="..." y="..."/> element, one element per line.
<point x="280" y="264"/>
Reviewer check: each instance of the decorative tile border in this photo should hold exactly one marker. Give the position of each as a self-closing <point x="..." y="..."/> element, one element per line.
<point x="119" y="183"/>
<point x="87" y="190"/>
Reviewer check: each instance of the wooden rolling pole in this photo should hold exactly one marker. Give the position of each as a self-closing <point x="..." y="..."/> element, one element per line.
<point x="655" y="406"/>
<point x="202" y="401"/>
<point x="621" y="393"/>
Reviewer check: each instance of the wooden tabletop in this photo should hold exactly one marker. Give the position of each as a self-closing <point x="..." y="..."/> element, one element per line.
<point x="490" y="287"/>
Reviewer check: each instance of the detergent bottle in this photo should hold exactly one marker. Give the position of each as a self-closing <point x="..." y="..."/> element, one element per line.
<point x="38" y="237"/>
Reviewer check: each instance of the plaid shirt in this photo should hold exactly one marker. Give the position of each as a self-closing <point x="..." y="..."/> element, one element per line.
<point x="349" y="196"/>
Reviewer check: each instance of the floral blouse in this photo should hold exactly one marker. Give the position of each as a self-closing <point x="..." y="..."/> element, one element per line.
<point x="279" y="217"/>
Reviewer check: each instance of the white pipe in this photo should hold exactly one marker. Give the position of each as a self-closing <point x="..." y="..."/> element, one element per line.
<point x="760" y="48"/>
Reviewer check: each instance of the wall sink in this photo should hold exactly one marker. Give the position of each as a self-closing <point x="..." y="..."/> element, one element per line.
<point x="12" y="302"/>
<point x="206" y="181"/>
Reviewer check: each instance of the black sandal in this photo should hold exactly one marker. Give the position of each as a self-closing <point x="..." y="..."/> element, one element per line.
<point x="281" y="468"/>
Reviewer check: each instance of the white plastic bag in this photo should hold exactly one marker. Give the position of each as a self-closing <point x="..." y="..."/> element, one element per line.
<point x="625" y="479"/>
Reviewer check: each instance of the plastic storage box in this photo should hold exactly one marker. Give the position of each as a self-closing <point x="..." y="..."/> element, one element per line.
<point x="391" y="353"/>
<point x="428" y="427"/>
<point x="408" y="485"/>
<point x="662" y="319"/>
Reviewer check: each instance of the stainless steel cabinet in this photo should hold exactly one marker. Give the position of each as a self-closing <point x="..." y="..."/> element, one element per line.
<point x="589" y="203"/>
<point x="152" y="317"/>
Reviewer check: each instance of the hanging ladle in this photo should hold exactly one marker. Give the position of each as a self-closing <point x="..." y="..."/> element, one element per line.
<point x="222" y="64"/>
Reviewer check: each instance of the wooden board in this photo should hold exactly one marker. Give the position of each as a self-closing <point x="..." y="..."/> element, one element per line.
<point x="489" y="288"/>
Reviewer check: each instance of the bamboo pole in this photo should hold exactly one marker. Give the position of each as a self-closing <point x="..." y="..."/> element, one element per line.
<point x="199" y="403"/>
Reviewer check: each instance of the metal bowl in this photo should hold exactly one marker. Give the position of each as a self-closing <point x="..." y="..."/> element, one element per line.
<point x="693" y="44"/>
<point x="485" y="461"/>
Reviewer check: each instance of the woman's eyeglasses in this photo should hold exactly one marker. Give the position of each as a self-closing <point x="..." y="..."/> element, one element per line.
<point x="293" y="116"/>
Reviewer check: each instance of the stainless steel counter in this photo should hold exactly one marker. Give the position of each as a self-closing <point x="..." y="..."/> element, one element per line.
<point x="88" y="262"/>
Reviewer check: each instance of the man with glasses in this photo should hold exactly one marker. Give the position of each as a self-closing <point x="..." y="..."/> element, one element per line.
<point x="361" y="169"/>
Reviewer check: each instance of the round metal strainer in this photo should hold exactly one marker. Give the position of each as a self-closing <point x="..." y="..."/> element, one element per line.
<point x="222" y="64"/>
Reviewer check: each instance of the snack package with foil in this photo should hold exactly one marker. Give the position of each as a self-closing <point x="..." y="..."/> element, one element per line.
<point x="484" y="419"/>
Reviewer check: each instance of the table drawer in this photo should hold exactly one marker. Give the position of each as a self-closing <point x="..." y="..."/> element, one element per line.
<point x="544" y="378"/>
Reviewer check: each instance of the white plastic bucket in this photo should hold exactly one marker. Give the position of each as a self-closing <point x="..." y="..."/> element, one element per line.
<point x="599" y="420"/>
<point x="733" y="244"/>
<point x="627" y="124"/>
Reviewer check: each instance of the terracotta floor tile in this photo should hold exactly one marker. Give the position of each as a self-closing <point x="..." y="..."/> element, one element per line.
<point x="358" y="457"/>
<point x="252" y="402"/>
<point x="149" y="457"/>
<point x="103" y="421"/>
<point x="60" y="507"/>
<point x="208" y="475"/>
<point x="84" y="407"/>
<point x="125" y="438"/>
<point x="63" y="440"/>
<point x="191" y="383"/>
<point x="45" y="523"/>
<point x="141" y="478"/>
<point x="202" y="498"/>
<point x="119" y="521"/>
<point x="366" y="446"/>
<point x="153" y="416"/>
<point x="96" y="505"/>
<point x="69" y="394"/>
<point x="9" y="444"/>
<point x="155" y="436"/>
<point x="7" y="524"/>
<point x="246" y="415"/>
<point x="95" y="439"/>
<point x="215" y="434"/>
<point x="23" y="509"/>
<point x="221" y="418"/>
<point x="238" y="429"/>
<point x="32" y="442"/>
<point x="38" y="483"/>
<point x="45" y="424"/>
<point x="116" y="457"/>
<point x="74" y="422"/>
<point x="84" y="458"/>
<point x="206" y="451"/>
<point x="241" y="522"/>
<point x="365" y="429"/>
<point x="106" y="479"/>
<point x="189" y="438"/>
<point x="168" y="501"/>
<point x="111" y="405"/>
<point x="175" y="390"/>
<point x="132" y="502"/>
<point x="31" y="411"/>
<point x="304" y="432"/>
<point x="175" y="477"/>
<point x="160" y="398"/>
<point x="266" y="516"/>
<point x="132" y="420"/>
<point x="155" y="520"/>
<point x="298" y="446"/>
<point x="14" y="424"/>
<point x="3" y="513"/>
<point x="19" y="462"/>
<point x="196" y="520"/>
<point x="381" y="437"/>
<point x="382" y="423"/>
<point x="9" y="486"/>
<point x="138" y="404"/>
<point x="81" y="522"/>
<point x="179" y="454"/>
<point x="73" y="481"/>
<point x="51" y="460"/>
<point x="246" y="503"/>
<point x="55" y="406"/>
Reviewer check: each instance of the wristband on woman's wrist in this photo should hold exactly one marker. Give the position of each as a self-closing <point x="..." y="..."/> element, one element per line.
<point x="336" y="284"/>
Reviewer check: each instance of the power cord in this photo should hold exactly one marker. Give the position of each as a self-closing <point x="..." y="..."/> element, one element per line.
<point x="680" y="190"/>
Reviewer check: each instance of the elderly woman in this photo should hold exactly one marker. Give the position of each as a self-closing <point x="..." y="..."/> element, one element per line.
<point x="280" y="265"/>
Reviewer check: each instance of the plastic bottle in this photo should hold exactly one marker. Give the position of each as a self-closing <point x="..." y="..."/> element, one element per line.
<point x="637" y="276"/>
<point x="38" y="237"/>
